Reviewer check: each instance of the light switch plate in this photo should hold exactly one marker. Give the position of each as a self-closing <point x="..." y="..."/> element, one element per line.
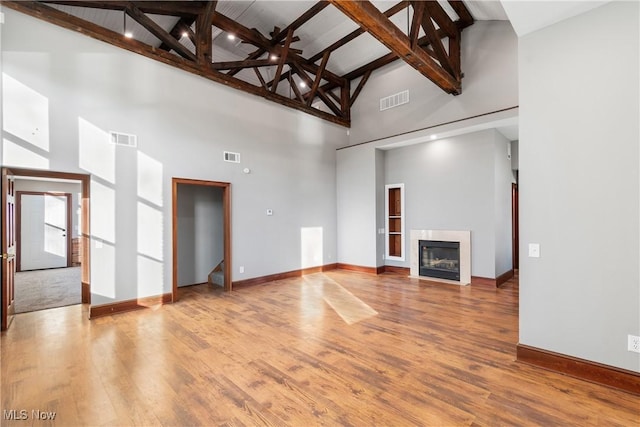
<point x="534" y="250"/>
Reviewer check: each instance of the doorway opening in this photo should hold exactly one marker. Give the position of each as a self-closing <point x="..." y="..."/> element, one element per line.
<point x="47" y="238"/>
<point x="45" y="229"/>
<point x="201" y="219"/>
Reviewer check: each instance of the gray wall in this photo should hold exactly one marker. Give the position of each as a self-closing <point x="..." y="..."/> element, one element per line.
<point x="66" y="187"/>
<point x="502" y="180"/>
<point x="489" y="60"/>
<point x="183" y="123"/>
<point x="579" y="185"/>
<point x="200" y="232"/>
<point x="490" y="65"/>
<point x="515" y="155"/>
<point x="458" y="183"/>
<point x="356" y="208"/>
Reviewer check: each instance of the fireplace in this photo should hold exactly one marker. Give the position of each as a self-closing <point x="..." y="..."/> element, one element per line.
<point x="439" y="259"/>
<point x="441" y="256"/>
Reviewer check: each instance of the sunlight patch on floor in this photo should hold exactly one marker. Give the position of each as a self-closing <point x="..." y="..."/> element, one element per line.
<point x="349" y="307"/>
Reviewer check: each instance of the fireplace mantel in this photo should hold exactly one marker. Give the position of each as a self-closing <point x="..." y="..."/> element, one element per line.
<point x="461" y="236"/>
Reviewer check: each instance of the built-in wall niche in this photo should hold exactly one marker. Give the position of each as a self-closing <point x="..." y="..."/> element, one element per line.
<point x="394" y="221"/>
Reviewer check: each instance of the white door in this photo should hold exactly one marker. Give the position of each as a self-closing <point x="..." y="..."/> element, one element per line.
<point x="43" y="240"/>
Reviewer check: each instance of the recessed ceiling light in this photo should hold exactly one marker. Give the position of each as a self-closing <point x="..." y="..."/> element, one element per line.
<point x="128" y="34"/>
<point x="434" y="136"/>
<point x="303" y="84"/>
<point x="185" y="34"/>
<point x="273" y="57"/>
<point x="231" y="37"/>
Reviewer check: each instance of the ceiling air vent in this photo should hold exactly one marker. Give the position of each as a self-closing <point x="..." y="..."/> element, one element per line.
<point x="124" y="139"/>
<point x="231" y="157"/>
<point x="394" y="100"/>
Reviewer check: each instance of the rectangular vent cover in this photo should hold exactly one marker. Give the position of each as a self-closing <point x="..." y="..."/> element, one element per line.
<point x="394" y="100"/>
<point x="231" y="157"/>
<point x="124" y="139"/>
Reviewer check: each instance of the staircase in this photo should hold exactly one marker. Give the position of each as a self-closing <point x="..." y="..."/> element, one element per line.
<point x="216" y="277"/>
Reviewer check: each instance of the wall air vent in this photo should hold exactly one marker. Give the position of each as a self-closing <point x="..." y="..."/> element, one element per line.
<point x="124" y="139"/>
<point x="394" y="100"/>
<point x="231" y="157"/>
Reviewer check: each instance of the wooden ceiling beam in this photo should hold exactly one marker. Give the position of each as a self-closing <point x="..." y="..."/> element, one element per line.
<point x="466" y="18"/>
<point x="257" y="39"/>
<point x="419" y="10"/>
<point x="65" y="20"/>
<point x="441" y="18"/>
<point x="155" y="29"/>
<point x="172" y="8"/>
<point x="355" y="33"/>
<point x="333" y="95"/>
<point x="435" y="41"/>
<point x="301" y="20"/>
<point x="321" y="93"/>
<point x="439" y="64"/>
<point x="294" y="86"/>
<point x="204" y="41"/>
<point x="361" y="84"/>
<point x="283" y="57"/>
<point x="317" y="80"/>
<point x="254" y="63"/>
<point x="345" y="103"/>
<point x="455" y="54"/>
<point x="365" y="14"/>
<point x="182" y="26"/>
<point x="379" y="63"/>
<point x="259" y="75"/>
<point x="279" y="35"/>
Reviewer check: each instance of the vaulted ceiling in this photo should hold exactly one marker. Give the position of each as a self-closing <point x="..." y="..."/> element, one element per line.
<point x="312" y="56"/>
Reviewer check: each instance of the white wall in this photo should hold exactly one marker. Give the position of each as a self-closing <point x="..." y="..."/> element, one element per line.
<point x="200" y="232"/>
<point x="458" y="183"/>
<point x="579" y="185"/>
<point x="80" y="88"/>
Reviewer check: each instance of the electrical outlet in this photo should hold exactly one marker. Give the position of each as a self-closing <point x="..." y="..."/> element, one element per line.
<point x="633" y="343"/>
<point x="241" y="269"/>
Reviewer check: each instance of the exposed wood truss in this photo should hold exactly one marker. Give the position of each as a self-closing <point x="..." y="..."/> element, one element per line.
<point x="275" y="69"/>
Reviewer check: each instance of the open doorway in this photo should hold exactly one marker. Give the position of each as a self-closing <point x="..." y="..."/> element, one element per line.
<point x="201" y="233"/>
<point x="48" y="272"/>
<point x="45" y="234"/>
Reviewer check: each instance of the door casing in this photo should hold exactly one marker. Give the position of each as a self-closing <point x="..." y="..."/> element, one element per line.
<point x="226" y="208"/>
<point x="85" y="183"/>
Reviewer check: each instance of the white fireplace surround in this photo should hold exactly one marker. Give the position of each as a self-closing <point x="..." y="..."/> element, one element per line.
<point x="463" y="237"/>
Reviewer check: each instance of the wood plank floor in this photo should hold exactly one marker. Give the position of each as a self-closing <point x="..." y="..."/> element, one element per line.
<point x="279" y="354"/>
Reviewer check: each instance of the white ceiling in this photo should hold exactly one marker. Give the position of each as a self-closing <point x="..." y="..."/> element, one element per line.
<point x="529" y="16"/>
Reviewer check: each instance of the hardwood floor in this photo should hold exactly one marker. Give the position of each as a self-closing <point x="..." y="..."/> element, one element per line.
<point x="279" y="354"/>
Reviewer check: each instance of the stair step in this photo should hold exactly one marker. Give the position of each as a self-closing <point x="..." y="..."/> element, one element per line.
<point x="217" y="278"/>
